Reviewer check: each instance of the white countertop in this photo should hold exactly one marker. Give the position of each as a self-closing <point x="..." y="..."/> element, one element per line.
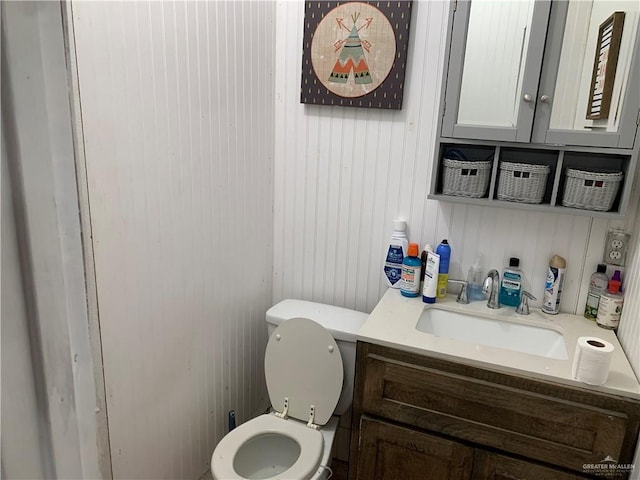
<point x="392" y="324"/>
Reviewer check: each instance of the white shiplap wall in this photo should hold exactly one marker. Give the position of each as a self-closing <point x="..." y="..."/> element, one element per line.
<point x="343" y="174"/>
<point x="629" y="331"/>
<point x="177" y="109"/>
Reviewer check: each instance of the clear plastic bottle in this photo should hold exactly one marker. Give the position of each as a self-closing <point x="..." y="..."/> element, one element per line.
<point x="396" y="251"/>
<point x="475" y="279"/>
<point x="597" y="287"/>
<point x="511" y="284"/>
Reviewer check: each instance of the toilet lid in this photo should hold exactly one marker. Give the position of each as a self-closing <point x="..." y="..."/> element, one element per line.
<point x="303" y="363"/>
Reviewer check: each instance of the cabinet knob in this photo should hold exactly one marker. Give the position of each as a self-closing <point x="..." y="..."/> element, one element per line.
<point x="545" y="98"/>
<point x="527" y="98"/>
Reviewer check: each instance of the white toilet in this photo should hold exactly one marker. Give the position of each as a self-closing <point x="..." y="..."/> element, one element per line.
<point x="309" y="368"/>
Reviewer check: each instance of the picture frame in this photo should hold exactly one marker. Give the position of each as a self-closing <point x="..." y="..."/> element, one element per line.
<point x="355" y="53"/>
<point x="604" y="67"/>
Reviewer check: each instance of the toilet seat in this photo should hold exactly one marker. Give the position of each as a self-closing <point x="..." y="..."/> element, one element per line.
<point x="310" y="441"/>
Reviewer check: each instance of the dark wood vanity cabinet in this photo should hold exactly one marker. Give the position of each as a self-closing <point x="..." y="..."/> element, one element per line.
<point x="421" y="417"/>
<point x="492" y="466"/>
<point x="389" y="451"/>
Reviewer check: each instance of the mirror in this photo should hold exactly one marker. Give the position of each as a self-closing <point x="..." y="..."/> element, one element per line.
<point x="584" y="80"/>
<point x="495" y="53"/>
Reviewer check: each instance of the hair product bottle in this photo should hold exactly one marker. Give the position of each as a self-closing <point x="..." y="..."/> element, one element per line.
<point x="553" y="285"/>
<point x="430" y="286"/>
<point x="611" y="302"/>
<point x="597" y="287"/>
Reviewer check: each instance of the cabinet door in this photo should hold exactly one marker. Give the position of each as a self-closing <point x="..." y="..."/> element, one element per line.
<point x="390" y="452"/>
<point x="589" y="91"/>
<point x="495" y="59"/>
<point x="540" y="420"/>
<point x="491" y="466"/>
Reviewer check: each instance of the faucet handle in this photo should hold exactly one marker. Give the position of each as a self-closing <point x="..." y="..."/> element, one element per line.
<point x="523" y="308"/>
<point x="462" y="296"/>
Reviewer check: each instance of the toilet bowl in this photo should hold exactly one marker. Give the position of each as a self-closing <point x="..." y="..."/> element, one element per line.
<point x="270" y="447"/>
<point x="304" y="371"/>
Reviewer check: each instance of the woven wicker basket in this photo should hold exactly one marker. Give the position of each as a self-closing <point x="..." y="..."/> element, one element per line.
<point x="522" y="182"/>
<point x="465" y="178"/>
<point x="591" y="190"/>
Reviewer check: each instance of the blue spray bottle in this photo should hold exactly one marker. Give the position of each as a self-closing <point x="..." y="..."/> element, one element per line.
<point x="444" y="250"/>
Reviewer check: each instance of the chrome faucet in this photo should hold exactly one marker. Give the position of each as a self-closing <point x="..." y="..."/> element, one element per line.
<point x="491" y="288"/>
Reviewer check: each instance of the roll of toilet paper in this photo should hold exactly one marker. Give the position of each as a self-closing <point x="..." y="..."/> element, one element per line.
<point x="592" y="360"/>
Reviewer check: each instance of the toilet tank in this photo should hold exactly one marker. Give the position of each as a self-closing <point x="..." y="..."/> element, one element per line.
<point x="342" y="323"/>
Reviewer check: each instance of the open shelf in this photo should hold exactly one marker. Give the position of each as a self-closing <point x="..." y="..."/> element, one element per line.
<point x="557" y="158"/>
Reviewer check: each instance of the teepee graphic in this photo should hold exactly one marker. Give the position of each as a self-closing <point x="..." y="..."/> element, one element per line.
<point x="351" y="59"/>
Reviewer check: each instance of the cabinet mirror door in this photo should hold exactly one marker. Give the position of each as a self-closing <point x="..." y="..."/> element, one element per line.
<point x="494" y="66"/>
<point x="589" y="88"/>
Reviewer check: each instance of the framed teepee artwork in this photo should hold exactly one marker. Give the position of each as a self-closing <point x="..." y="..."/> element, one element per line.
<point x="355" y="53"/>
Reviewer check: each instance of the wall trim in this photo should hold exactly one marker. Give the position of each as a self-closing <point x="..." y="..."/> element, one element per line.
<point x="102" y="439"/>
<point x="44" y="176"/>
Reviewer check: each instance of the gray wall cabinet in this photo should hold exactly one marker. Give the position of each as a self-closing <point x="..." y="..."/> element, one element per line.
<point x="516" y="89"/>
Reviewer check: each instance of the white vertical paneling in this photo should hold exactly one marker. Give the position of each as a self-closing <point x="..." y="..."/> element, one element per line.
<point x="340" y="172"/>
<point x="177" y="105"/>
<point x="178" y="113"/>
<point x="629" y="331"/>
<point x="497" y="235"/>
<point x="342" y="175"/>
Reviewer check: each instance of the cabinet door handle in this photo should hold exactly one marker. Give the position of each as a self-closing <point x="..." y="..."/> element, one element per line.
<point x="545" y="98"/>
<point x="527" y="98"/>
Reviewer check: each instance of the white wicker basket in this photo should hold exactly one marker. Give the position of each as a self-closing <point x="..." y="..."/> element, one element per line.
<point x="522" y="182"/>
<point x="465" y="178"/>
<point x="591" y="190"/>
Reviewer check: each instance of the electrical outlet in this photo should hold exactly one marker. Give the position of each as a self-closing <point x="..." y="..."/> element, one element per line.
<point x="615" y="248"/>
<point x="615" y="255"/>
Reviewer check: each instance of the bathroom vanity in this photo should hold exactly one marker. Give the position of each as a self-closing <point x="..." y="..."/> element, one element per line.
<point x="433" y="406"/>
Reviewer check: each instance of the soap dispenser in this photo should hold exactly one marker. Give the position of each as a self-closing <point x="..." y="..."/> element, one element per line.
<point x="475" y="279"/>
<point x="511" y="284"/>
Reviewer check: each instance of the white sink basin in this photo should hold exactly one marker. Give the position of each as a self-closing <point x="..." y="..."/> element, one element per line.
<point x="493" y="333"/>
